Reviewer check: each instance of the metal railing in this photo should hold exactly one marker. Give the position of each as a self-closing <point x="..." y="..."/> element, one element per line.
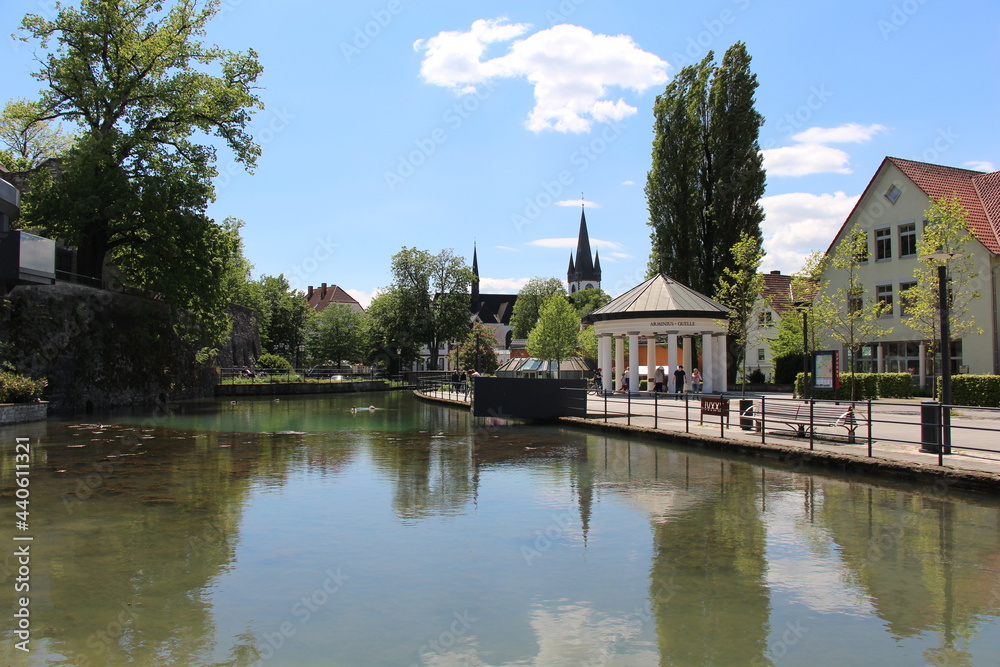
<point x="444" y="387"/>
<point x="881" y="428"/>
<point x="245" y="375"/>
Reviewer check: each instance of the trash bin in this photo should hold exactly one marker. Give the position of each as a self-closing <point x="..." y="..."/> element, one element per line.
<point x="930" y="427"/>
<point x="745" y="423"/>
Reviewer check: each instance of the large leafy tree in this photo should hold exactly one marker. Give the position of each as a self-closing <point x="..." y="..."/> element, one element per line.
<point x="739" y="289"/>
<point x="946" y="232"/>
<point x="142" y="89"/>
<point x="529" y="302"/>
<point x="704" y="187"/>
<point x="477" y="350"/>
<point x="432" y="293"/>
<point x="284" y="315"/>
<point x="588" y="300"/>
<point x="337" y="334"/>
<point x="29" y="141"/>
<point x="554" y="337"/>
<point x="390" y="340"/>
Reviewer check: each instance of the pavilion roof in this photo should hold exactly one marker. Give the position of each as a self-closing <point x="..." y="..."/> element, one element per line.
<point x="660" y="296"/>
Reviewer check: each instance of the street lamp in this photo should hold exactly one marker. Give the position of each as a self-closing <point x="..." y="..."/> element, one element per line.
<point x="942" y="271"/>
<point x="803" y="307"/>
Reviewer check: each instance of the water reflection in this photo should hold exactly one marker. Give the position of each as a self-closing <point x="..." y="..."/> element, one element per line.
<point x="294" y="532"/>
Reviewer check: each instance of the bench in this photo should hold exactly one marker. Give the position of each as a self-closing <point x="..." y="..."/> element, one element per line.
<point x="715" y="405"/>
<point x="797" y="416"/>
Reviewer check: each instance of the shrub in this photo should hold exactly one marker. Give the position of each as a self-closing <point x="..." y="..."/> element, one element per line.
<point x="756" y="377"/>
<point x="869" y="385"/>
<point x="980" y="390"/>
<point x="894" y="385"/>
<point x="786" y="367"/>
<point x="16" y="388"/>
<point x="268" y="360"/>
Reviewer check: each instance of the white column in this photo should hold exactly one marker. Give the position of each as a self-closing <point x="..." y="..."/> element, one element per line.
<point x="633" y="361"/>
<point x="708" y="361"/>
<point x="604" y="357"/>
<point x="688" y="356"/>
<point x="672" y="358"/>
<point x="650" y="360"/>
<point x="721" y="354"/>
<point x="619" y="360"/>
<point x="881" y="358"/>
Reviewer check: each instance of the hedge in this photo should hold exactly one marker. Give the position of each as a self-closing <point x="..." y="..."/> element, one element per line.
<point x="978" y="390"/>
<point x="273" y="361"/>
<point x="868" y="385"/>
<point x="16" y="388"/>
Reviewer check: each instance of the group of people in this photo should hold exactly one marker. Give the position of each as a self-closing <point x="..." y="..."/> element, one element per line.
<point x="459" y="379"/>
<point x="658" y="380"/>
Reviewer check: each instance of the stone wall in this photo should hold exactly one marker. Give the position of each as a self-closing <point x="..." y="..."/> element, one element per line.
<point x="18" y="413"/>
<point x="104" y="349"/>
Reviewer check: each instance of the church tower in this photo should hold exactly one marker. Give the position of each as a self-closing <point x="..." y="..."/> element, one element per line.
<point x="475" y="279"/>
<point x="584" y="272"/>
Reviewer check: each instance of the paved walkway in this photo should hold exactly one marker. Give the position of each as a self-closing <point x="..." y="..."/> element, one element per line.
<point x="895" y="428"/>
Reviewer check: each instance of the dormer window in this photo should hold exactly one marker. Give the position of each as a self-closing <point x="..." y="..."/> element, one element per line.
<point x="892" y="194"/>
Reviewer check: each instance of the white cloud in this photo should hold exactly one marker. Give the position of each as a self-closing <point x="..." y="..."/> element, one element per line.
<point x="628" y="182"/>
<point x="577" y="202"/>
<point x="570" y="242"/>
<point x="570" y="68"/>
<point x="504" y="247"/>
<point x="798" y="223"/>
<point x="981" y="165"/>
<point x="804" y="159"/>
<point x="850" y="133"/>
<point x="364" y="298"/>
<point x="501" y="285"/>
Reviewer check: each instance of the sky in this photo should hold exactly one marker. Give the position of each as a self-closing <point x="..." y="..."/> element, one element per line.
<point x="445" y="125"/>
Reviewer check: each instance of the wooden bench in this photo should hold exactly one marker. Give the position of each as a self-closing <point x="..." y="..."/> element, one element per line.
<point x="797" y="416"/>
<point x="715" y="405"/>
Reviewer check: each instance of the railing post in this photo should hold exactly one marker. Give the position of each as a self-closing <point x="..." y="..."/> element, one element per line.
<point x="869" y="427"/>
<point x="605" y="407"/>
<point x="656" y="415"/>
<point x="628" y="409"/>
<point x="812" y="425"/>
<point x="763" y="420"/>
<point x="687" y="404"/>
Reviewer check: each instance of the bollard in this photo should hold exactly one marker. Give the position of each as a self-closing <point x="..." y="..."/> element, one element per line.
<point x="930" y="427"/>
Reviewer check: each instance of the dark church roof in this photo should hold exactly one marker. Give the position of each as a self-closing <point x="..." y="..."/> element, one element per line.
<point x="585" y="266"/>
<point x="489" y="308"/>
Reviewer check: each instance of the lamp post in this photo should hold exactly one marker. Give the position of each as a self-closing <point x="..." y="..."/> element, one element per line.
<point x="803" y="307"/>
<point x="942" y="271"/>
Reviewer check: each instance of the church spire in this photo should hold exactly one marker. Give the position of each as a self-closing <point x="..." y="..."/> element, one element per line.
<point x="583" y="272"/>
<point x="475" y="280"/>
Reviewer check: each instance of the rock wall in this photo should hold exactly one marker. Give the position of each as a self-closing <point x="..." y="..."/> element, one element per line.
<point x="104" y="349"/>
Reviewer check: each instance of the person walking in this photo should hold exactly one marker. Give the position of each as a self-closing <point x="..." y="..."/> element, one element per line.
<point x="679" y="375"/>
<point x="696" y="381"/>
<point x="658" y="380"/>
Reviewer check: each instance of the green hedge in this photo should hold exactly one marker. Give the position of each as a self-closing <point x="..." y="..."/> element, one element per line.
<point x="268" y="360"/>
<point x="980" y="390"/>
<point x="16" y="388"/>
<point x="868" y="385"/>
<point x="786" y="367"/>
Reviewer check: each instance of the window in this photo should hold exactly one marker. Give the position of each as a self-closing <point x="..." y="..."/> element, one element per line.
<point x="764" y="318"/>
<point x="883" y="293"/>
<point x="908" y="239"/>
<point x="863" y="251"/>
<point x="853" y="304"/>
<point x="892" y="194"/>
<point x="905" y="300"/>
<point x="883" y="244"/>
<point x="760" y="354"/>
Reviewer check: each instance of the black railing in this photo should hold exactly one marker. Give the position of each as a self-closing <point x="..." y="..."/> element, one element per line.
<point x="246" y="375"/>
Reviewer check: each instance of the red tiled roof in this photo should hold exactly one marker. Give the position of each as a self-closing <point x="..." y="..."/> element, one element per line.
<point x="778" y="291"/>
<point x="939" y="181"/>
<point x="321" y="297"/>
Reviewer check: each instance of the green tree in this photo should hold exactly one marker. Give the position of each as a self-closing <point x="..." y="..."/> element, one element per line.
<point x="847" y="313"/>
<point x="337" y="334"/>
<point x="946" y="232"/>
<point x="587" y="301"/>
<point x="284" y="315"/>
<point x="529" y="302"/>
<point x="133" y="76"/>
<point x="586" y="340"/>
<point x="478" y="350"/>
<point x="433" y="293"/>
<point x="554" y="337"/>
<point x="704" y="187"/>
<point x="30" y="141"/>
<point x="237" y="281"/>
<point x="738" y="289"/>
<point x="391" y="342"/>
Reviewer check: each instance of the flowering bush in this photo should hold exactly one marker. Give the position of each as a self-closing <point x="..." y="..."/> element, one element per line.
<point x="16" y="388"/>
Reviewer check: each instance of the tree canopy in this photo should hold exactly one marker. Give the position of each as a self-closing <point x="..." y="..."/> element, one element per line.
<point x="554" y="337"/>
<point x="338" y="334"/>
<point x="739" y="289"/>
<point x="704" y="187"/>
<point x="29" y="141"/>
<point x="529" y="302"/>
<point x="136" y="81"/>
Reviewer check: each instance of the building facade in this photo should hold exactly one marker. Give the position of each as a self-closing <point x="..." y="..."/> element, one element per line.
<point x="891" y="212"/>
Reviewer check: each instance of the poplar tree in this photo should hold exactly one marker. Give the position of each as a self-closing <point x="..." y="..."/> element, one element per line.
<point x="707" y="177"/>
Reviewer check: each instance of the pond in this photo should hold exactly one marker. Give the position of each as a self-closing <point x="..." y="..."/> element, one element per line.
<point x="295" y="532"/>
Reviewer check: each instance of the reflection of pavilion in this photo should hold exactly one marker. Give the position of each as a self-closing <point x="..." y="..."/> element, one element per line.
<point x="658" y="307"/>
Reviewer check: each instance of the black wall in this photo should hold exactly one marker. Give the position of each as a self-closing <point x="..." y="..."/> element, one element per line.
<point x="529" y="398"/>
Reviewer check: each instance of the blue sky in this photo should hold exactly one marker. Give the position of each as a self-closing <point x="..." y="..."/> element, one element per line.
<point x="394" y="123"/>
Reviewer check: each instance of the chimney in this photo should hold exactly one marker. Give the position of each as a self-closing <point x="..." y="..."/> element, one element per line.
<point x="322" y="295"/>
<point x="776" y="273"/>
<point x="309" y="295"/>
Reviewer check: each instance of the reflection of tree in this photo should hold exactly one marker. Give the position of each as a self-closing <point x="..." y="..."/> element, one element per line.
<point x="901" y="550"/>
<point x="708" y="586"/>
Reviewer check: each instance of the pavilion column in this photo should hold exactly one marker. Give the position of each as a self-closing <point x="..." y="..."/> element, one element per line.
<point x="880" y="352"/>
<point x="633" y="361"/>
<point x="604" y="357"/>
<point x="672" y="357"/>
<point x="719" y="363"/>
<point x="688" y="355"/>
<point x="708" y="361"/>
<point x="650" y="359"/>
<point x="619" y="360"/>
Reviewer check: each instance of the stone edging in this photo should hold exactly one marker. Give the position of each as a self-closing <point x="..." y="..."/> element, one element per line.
<point x="18" y="413"/>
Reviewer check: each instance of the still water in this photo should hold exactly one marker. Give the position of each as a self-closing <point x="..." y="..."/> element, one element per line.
<point x="294" y="532"/>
